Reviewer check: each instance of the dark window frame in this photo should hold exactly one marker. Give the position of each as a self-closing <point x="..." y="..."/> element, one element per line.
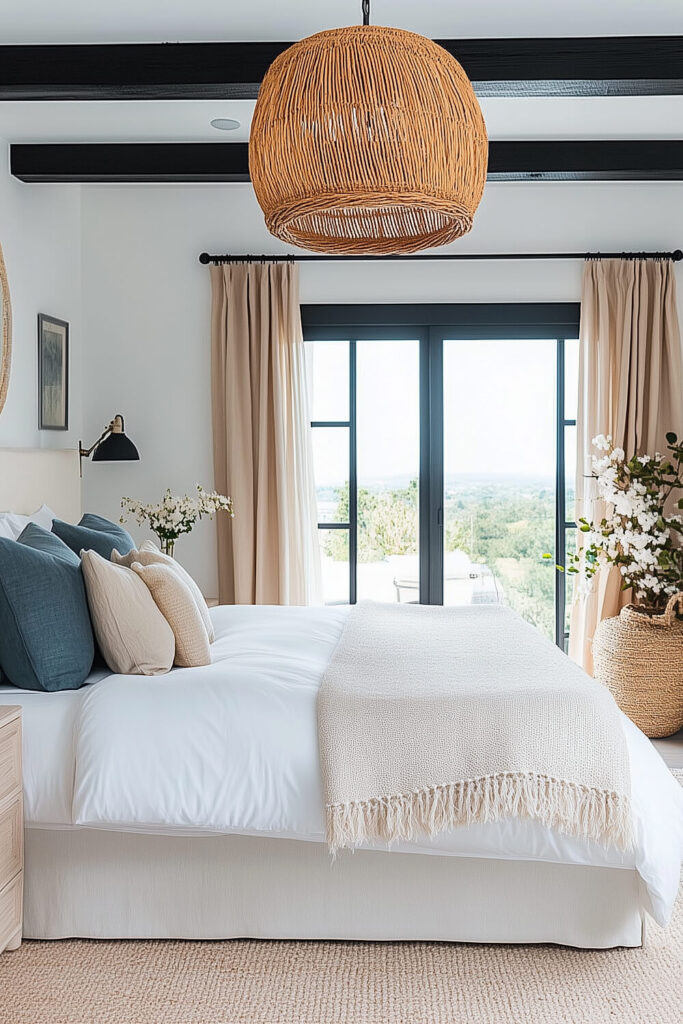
<point x="430" y="325"/>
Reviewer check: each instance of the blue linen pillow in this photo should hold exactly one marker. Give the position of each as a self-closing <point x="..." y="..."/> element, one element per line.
<point x="36" y="537"/>
<point x="46" y="639"/>
<point x="94" y="533"/>
<point x="95" y="522"/>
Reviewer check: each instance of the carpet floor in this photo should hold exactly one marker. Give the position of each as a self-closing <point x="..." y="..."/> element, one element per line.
<point x="256" y="982"/>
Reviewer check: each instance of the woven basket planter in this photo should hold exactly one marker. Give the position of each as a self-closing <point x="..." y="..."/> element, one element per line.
<point x="639" y="657"/>
<point x="367" y="140"/>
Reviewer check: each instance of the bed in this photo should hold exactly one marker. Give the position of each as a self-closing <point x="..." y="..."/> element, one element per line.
<point x="190" y="805"/>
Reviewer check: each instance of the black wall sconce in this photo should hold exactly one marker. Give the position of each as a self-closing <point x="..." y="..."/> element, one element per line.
<point x="111" y="446"/>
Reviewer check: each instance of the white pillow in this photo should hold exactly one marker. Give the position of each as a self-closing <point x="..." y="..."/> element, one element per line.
<point x="149" y="554"/>
<point x="44" y="517"/>
<point x="6" y="530"/>
<point x="176" y="603"/>
<point x="133" y="635"/>
<point x="12" y="524"/>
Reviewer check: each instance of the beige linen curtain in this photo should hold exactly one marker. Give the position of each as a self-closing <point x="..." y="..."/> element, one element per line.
<point x="630" y="386"/>
<point x="267" y="554"/>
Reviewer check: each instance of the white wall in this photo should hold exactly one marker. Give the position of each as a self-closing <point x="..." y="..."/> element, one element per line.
<point x="40" y="232"/>
<point x="146" y="302"/>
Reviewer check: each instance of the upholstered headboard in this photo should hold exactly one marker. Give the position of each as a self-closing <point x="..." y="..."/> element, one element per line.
<point x="30" y="477"/>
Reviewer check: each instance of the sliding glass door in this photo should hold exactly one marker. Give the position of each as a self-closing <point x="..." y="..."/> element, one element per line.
<point x="330" y="376"/>
<point x="388" y="466"/>
<point x="365" y="398"/>
<point x="500" y="475"/>
<point x="444" y="443"/>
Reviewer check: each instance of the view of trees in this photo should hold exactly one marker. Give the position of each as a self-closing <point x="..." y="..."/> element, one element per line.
<point x="510" y="529"/>
<point x="507" y="526"/>
<point x="387" y="523"/>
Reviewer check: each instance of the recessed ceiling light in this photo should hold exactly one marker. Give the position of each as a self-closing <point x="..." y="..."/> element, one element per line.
<point x="225" y="124"/>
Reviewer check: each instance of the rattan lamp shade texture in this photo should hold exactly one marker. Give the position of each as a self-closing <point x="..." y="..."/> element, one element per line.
<point x="367" y="140"/>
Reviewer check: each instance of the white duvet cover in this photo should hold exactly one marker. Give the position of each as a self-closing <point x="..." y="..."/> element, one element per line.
<point x="232" y="748"/>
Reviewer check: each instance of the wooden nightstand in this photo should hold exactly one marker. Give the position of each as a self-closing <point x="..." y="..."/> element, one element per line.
<point x="11" y="829"/>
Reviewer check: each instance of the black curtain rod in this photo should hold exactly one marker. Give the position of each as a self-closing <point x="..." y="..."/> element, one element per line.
<point x="676" y="256"/>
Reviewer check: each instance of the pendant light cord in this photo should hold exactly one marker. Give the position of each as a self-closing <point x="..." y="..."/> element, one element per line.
<point x="365" y="7"/>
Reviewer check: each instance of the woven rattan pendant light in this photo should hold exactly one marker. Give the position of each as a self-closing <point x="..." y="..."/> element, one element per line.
<point x="367" y="140"/>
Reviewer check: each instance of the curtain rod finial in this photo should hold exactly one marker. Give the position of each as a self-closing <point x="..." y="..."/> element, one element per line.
<point x="204" y="258"/>
<point x="677" y="255"/>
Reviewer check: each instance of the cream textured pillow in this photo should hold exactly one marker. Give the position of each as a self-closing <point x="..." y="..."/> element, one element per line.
<point x="149" y="554"/>
<point x="133" y="635"/>
<point x="176" y="603"/>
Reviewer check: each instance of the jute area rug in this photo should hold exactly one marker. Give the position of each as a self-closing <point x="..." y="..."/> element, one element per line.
<point x="248" y="982"/>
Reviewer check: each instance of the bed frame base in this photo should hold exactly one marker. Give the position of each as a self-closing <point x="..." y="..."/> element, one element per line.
<point x="99" y="884"/>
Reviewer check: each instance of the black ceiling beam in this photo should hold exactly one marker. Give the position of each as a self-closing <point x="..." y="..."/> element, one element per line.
<point x="579" y="66"/>
<point x="649" y="160"/>
<point x="130" y="162"/>
<point x="594" y="160"/>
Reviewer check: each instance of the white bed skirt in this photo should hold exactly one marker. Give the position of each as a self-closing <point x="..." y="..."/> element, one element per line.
<point x="99" y="884"/>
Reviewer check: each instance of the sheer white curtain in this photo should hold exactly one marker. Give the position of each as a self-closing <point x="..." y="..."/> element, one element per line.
<point x="269" y="553"/>
<point x="630" y="386"/>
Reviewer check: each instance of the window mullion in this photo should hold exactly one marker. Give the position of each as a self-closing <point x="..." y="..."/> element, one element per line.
<point x="560" y="500"/>
<point x="431" y="467"/>
<point x="435" y="510"/>
<point x="353" y="477"/>
<point x="424" y="489"/>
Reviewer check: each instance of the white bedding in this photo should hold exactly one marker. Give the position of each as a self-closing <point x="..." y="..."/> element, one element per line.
<point x="232" y="748"/>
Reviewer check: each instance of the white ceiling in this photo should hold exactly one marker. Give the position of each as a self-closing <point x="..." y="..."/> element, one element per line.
<point x="79" y="21"/>
<point x="84" y="21"/>
<point x="189" y="120"/>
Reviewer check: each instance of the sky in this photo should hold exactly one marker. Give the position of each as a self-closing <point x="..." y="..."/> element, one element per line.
<point x="499" y="408"/>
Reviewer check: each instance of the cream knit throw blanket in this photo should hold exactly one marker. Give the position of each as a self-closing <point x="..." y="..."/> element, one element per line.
<point x="429" y="718"/>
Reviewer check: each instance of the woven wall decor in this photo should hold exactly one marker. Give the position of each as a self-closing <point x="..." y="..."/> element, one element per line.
<point x="367" y="140"/>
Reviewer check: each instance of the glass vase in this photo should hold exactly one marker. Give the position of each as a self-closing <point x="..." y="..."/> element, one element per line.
<point x="167" y="546"/>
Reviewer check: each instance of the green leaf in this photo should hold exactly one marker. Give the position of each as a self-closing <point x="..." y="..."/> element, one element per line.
<point x="671" y="437"/>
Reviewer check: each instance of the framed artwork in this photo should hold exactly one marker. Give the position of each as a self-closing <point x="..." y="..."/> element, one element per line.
<point x="53" y="373"/>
